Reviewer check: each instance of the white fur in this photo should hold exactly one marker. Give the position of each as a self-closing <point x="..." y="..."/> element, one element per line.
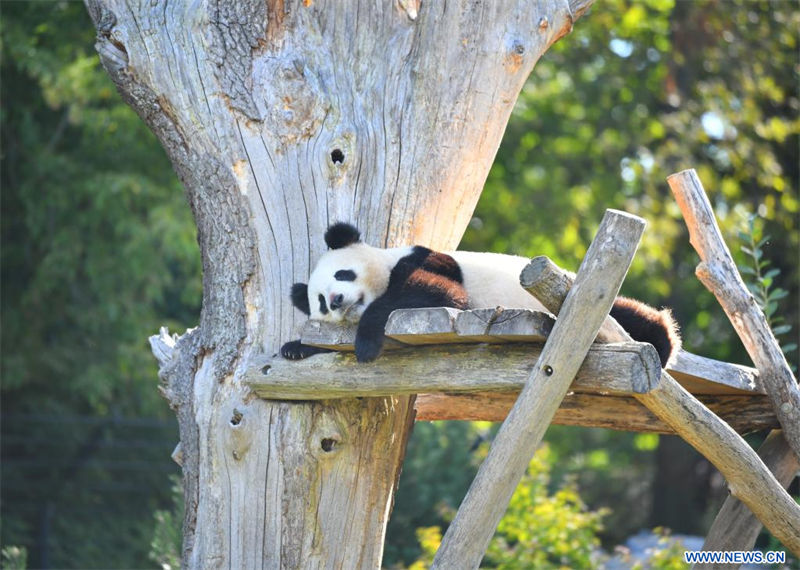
<point x="372" y="267"/>
<point x="490" y="279"/>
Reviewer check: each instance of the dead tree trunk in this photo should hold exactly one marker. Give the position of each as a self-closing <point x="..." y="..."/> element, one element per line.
<point x="281" y="117"/>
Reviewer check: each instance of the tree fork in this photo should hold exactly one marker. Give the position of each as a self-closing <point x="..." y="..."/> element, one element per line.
<point x="281" y="118"/>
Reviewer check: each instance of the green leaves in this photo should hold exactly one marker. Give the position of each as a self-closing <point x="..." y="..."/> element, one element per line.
<point x="762" y="279"/>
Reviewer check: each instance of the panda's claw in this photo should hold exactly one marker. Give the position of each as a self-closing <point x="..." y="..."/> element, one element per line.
<point x="296" y="350"/>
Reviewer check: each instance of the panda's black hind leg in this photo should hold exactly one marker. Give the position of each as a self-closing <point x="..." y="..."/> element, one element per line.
<point x="296" y="350"/>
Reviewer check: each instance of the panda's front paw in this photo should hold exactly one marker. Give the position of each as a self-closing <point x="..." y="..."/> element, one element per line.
<point x="368" y="348"/>
<point x="295" y="350"/>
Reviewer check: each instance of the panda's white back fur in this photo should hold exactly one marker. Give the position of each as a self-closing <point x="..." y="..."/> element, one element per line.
<point x="492" y="279"/>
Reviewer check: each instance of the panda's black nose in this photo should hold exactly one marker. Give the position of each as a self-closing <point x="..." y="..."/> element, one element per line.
<point x="336" y="301"/>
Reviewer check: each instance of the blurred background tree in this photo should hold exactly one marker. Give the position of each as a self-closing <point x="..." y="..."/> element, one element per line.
<point x="98" y="251"/>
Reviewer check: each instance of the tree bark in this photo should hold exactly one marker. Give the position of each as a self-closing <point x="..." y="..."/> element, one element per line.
<point x="280" y="118"/>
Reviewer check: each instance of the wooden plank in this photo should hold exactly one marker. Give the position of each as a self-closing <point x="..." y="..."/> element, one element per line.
<point x="435" y="325"/>
<point x="441" y="325"/>
<point x="585" y="308"/>
<point x="329" y="335"/>
<point x="503" y="325"/>
<point x="743" y="413"/>
<point x="609" y="369"/>
<point x="700" y="375"/>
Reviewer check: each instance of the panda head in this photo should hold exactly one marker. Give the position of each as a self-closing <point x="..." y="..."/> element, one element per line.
<point x="347" y="278"/>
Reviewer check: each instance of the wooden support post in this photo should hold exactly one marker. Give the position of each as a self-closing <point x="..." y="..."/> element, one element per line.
<point x="735" y="527"/>
<point x="717" y="271"/>
<point x="585" y="309"/>
<point x="748" y="479"/>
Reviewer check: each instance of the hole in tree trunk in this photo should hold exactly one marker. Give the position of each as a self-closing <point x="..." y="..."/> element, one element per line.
<point x="328" y="444"/>
<point x="337" y="156"/>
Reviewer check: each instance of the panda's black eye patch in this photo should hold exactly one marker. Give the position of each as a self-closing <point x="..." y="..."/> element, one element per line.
<point x="345" y="275"/>
<point x="323" y="308"/>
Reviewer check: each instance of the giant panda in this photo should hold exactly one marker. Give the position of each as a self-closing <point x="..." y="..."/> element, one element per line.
<point x="355" y="282"/>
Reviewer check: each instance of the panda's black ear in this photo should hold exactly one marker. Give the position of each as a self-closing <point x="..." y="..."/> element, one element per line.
<point x="300" y="297"/>
<point x="341" y="235"/>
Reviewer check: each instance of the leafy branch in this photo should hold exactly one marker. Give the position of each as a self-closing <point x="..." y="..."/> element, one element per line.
<point x="762" y="278"/>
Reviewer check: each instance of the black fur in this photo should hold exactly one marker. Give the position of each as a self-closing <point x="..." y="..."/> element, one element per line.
<point x="345" y="275"/>
<point x="323" y="308"/>
<point x="295" y="350"/>
<point x="646" y="324"/>
<point x="422" y="279"/>
<point x="341" y="235"/>
<point x="299" y="297"/>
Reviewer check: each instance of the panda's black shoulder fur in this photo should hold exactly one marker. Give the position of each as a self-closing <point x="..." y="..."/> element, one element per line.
<point x="341" y="234"/>
<point x="434" y="262"/>
<point x="423" y="278"/>
<point x="646" y="324"/>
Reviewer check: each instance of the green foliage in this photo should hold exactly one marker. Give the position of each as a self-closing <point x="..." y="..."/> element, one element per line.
<point x="540" y="530"/>
<point x="762" y="278"/>
<point x="13" y="558"/>
<point x="667" y="556"/>
<point x="544" y="530"/>
<point x="98" y="251"/>
<point x="439" y="467"/>
<point x="430" y="538"/>
<point x="165" y="548"/>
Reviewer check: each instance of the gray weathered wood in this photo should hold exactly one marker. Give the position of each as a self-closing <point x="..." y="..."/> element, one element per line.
<point x="439" y="325"/>
<point x="503" y="325"/>
<point x="423" y="326"/>
<point x="748" y="479"/>
<point x="281" y="117"/>
<point x="442" y="325"/>
<point x="717" y="271"/>
<point x="700" y="375"/>
<point x="744" y="414"/>
<point x="608" y="369"/>
<point x="585" y="308"/>
<point x="735" y="527"/>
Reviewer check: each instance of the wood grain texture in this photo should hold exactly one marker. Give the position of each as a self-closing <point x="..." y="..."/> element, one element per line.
<point x="585" y="308"/>
<point x="735" y="527"/>
<point x="745" y="414"/>
<point x="252" y="101"/>
<point x="748" y="479"/>
<point x="718" y="272"/>
<point x="608" y="369"/>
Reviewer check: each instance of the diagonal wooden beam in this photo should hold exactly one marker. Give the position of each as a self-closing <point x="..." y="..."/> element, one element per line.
<point x="585" y="308"/>
<point x="735" y="527"/>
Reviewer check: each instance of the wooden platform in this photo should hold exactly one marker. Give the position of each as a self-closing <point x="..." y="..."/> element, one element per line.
<point x="470" y="365"/>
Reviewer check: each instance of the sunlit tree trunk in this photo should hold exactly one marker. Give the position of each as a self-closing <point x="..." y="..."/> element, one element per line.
<point x="281" y="117"/>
